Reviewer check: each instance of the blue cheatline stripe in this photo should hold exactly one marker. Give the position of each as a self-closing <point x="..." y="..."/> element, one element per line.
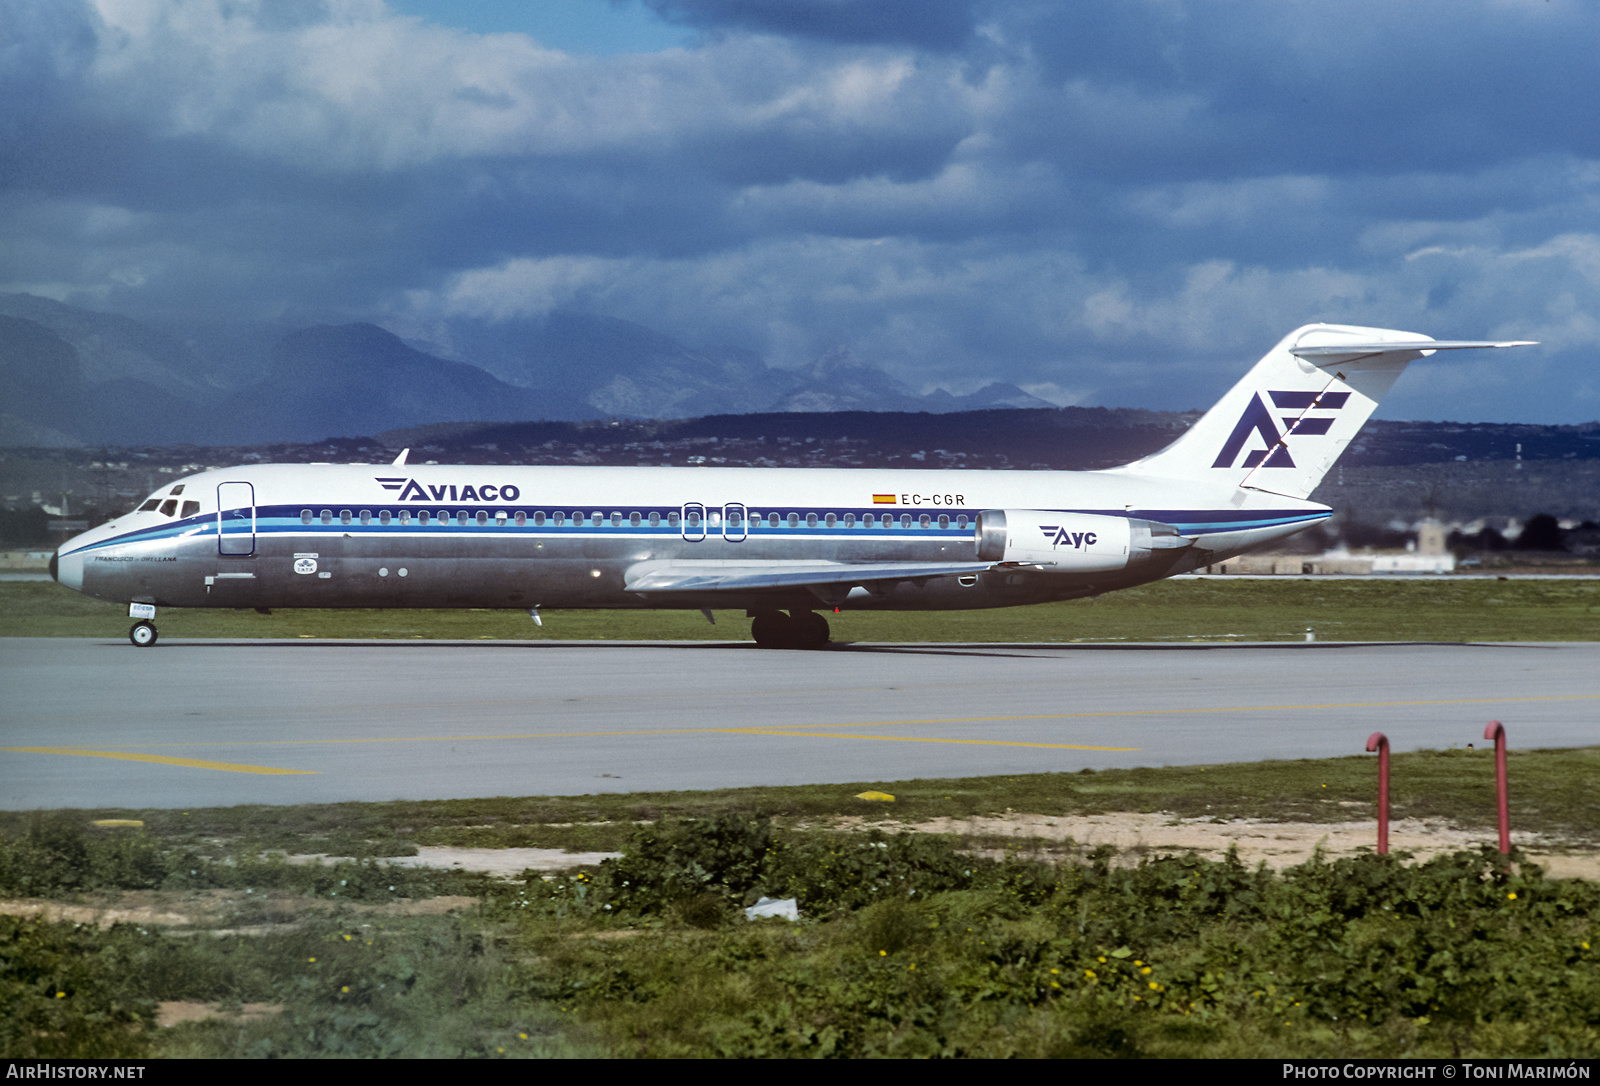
<point x="285" y="520"/>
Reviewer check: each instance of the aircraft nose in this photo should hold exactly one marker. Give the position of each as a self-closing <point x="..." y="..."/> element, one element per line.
<point x="67" y="569"/>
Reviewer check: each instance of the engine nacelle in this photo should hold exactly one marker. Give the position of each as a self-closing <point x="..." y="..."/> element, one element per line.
<point x="1071" y="542"/>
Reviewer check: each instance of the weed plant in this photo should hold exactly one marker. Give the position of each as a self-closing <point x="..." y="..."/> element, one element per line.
<point x="912" y="949"/>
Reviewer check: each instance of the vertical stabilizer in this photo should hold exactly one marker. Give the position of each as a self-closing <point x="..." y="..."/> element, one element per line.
<point x="1281" y="428"/>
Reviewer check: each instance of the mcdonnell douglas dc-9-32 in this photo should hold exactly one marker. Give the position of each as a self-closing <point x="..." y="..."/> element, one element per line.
<point x="782" y="544"/>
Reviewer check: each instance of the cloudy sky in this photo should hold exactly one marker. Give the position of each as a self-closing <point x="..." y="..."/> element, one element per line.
<point x="1117" y="203"/>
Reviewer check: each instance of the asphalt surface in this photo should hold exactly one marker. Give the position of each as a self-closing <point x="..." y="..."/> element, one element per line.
<point x="99" y="723"/>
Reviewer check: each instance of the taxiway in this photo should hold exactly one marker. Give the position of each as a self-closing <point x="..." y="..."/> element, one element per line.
<point x="98" y="723"/>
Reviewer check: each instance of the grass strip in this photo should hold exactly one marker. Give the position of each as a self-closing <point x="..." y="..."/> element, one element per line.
<point x="1211" y="609"/>
<point x="1552" y="792"/>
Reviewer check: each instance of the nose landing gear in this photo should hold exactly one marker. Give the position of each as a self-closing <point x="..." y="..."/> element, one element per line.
<point x="143" y="634"/>
<point x="795" y="630"/>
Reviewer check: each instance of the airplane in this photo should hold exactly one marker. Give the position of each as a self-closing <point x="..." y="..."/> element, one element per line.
<point x="783" y="544"/>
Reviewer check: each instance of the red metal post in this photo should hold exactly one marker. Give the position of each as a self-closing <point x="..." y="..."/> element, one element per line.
<point x="1379" y="742"/>
<point x="1497" y="732"/>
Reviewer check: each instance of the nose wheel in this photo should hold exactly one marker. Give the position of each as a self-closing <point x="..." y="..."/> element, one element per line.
<point x="143" y="634"/>
<point x="795" y="630"/>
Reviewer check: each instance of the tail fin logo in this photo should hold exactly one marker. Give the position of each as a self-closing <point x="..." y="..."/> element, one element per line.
<point x="1258" y="419"/>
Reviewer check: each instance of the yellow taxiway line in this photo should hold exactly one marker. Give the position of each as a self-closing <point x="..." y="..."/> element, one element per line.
<point x="161" y="759"/>
<point x="794" y="730"/>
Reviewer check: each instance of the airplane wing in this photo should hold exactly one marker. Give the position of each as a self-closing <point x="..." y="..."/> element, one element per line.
<point x="693" y="576"/>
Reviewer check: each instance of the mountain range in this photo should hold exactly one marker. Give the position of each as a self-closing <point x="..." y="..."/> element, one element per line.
<point x="73" y="376"/>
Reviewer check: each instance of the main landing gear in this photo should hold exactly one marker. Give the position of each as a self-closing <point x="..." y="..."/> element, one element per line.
<point x="795" y="630"/>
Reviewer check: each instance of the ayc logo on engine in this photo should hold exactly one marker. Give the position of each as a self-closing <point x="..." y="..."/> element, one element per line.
<point x="1058" y="535"/>
<point x="1257" y="419"/>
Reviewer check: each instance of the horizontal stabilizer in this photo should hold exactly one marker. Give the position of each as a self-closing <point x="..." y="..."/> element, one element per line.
<point x="692" y="576"/>
<point x="1327" y="355"/>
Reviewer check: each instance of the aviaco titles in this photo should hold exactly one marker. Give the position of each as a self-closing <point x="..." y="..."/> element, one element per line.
<point x="784" y="545"/>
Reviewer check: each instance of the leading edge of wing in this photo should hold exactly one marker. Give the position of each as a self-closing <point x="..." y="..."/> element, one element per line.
<point x="707" y="576"/>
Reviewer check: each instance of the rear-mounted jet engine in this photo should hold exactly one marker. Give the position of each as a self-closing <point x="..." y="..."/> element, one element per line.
<point x="1072" y="542"/>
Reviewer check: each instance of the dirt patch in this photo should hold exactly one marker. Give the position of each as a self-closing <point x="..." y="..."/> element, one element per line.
<point x="176" y="1012"/>
<point x="505" y="863"/>
<point x="1277" y="844"/>
<point x="211" y="910"/>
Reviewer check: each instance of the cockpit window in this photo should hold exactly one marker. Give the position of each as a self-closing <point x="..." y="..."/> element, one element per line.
<point x="169" y="507"/>
<point x="190" y="509"/>
<point x="177" y="490"/>
<point x="149" y="506"/>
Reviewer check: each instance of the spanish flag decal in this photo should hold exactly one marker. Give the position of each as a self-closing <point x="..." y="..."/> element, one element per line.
<point x="883" y="499"/>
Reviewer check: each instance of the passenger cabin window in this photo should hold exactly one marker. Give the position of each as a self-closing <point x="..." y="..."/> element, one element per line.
<point x="405" y="516"/>
<point x="190" y="509"/>
<point x="734" y="519"/>
<point x="655" y="520"/>
<point x="672" y="520"/>
<point x="869" y="519"/>
<point x="905" y="520"/>
<point x="830" y="520"/>
<point x="366" y="516"/>
<point x="538" y="519"/>
<point x="327" y="516"/>
<point x="634" y="520"/>
<point x="794" y="520"/>
<point x="924" y="520"/>
<point x="811" y="520"/>
<point x="344" y="516"/>
<point x="849" y="520"/>
<point x="383" y="516"/>
<point x="500" y="517"/>
<point x="772" y="520"/>
<point x="423" y="517"/>
<point x="522" y="519"/>
<point x="482" y="518"/>
<point x="461" y="517"/>
<point x="944" y="520"/>
<point x="305" y="516"/>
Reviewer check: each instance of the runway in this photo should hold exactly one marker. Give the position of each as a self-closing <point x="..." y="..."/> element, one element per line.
<point x="98" y="723"/>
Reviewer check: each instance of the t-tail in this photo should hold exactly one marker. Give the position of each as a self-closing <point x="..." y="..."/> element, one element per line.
<point x="1281" y="428"/>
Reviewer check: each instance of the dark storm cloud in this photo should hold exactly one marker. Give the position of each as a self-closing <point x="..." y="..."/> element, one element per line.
<point x="928" y="24"/>
<point x="1359" y="86"/>
<point x="1114" y="203"/>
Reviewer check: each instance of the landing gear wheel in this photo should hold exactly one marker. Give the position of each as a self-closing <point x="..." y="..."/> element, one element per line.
<point x="810" y="630"/>
<point x="143" y="634"/>
<point x="772" y="630"/>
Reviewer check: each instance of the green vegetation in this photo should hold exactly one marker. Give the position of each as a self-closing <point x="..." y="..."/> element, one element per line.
<point x="1215" y="609"/>
<point x="907" y="946"/>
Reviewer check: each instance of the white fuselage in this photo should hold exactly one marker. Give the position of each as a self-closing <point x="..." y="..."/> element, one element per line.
<point x="318" y="535"/>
